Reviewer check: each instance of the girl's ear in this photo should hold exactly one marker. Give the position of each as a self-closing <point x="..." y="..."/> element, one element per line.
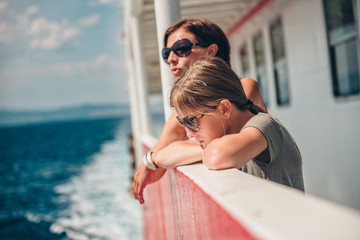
<point x="225" y="108"/>
<point x="213" y="49"/>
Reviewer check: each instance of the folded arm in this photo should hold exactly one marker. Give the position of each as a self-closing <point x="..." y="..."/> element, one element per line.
<point x="222" y="153"/>
<point x="178" y="153"/>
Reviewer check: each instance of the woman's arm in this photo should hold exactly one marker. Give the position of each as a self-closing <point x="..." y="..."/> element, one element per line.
<point x="223" y="153"/>
<point x="252" y="91"/>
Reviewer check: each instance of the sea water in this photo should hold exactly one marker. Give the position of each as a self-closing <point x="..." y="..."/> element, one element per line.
<point x="67" y="180"/>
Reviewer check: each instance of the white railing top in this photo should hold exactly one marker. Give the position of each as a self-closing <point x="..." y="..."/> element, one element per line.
<point x="273" y="211"/>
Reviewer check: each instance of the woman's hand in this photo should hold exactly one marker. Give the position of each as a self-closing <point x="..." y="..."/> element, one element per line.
<point x="141" y="179"/>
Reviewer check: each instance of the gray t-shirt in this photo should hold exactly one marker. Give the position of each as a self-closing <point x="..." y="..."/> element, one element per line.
<point x="285" y="164"/>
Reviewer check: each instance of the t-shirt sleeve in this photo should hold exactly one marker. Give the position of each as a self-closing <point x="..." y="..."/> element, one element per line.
<point x="269" y="127"/>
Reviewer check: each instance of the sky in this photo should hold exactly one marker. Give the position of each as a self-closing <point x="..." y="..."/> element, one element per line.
<point x="64" y="53"/>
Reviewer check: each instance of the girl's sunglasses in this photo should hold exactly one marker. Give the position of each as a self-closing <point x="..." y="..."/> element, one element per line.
<point x="182" y="48"/>
<point x="190" y="122"/>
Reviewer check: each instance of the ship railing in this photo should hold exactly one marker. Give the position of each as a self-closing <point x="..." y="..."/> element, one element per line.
<point x="192" y="202"/>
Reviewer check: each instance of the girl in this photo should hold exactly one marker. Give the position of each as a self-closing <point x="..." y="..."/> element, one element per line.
<point x="233" y="132"/>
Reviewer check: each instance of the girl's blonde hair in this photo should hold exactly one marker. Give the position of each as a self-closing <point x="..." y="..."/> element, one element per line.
<point x="205" y="84"/>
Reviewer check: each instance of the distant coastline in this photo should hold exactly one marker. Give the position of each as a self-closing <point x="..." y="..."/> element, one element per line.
<point x="10" y="118"/>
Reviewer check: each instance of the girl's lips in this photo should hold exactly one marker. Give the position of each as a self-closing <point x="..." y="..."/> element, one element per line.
<point x="202" y="144"/>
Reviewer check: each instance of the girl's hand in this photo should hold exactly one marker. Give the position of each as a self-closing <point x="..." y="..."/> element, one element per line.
<point x="141" y="179"/>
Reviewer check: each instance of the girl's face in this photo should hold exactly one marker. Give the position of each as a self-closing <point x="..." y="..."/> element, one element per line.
<point x="179" y="64"/>
<point x="210" y="126"/>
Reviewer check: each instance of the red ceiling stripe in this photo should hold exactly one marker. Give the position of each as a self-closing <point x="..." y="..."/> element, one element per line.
<point x="247" y="17"/>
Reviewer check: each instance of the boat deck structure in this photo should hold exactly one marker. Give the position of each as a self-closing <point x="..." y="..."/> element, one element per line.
<point x="305" y="55"/>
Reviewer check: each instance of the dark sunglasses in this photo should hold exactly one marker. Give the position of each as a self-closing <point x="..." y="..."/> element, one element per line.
<point x="182" y="48"/>
<point x="190" y="122"/>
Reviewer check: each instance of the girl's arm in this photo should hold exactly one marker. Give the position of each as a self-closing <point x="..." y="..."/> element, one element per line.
<point x="178" y="153"/>
<point x="222" y="153"/>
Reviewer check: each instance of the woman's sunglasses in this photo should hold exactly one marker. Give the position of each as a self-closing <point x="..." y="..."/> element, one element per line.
<point x="190" y="122"/>
<point x="182" y="48"/>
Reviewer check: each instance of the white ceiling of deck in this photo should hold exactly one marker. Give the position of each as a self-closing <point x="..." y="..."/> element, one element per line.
<point x="225" y="13"/>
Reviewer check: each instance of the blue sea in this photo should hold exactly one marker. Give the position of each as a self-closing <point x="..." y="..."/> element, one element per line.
<point x="67" y="180"/>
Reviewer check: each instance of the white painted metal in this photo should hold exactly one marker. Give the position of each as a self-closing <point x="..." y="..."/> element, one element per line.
<point x="141" y="79"/>
<point x="326" y="128"/>
<point x="167" y="12"/>
<point x="269" y="67"/>
<point x="134" y="111"/>
<point x="133" y="100"/>
<point x="251" y="59"/>
<point x="273" y="211"/>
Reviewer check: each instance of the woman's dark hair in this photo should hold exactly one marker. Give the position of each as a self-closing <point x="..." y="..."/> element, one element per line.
<point x="205" y="32"/>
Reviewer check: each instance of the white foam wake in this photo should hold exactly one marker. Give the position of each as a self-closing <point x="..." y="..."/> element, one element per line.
<point x="101" y="207"/>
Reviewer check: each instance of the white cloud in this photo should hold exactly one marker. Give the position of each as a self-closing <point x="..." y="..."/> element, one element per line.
<point x="89" y="21"/>
<point x="102" y="63"/>
<point x="41" y="25"/>
<point x="3" y="28"/>
<point x="100" y="79"/>
<point x="104" y="2"/>
<point x="31" y="10"/>
<point x="3" y="6"/>
<point x="12" y="25"/>
<point x="50" y="35"/>
<point x="101" y="60"/>
<point x="45" y="34"/>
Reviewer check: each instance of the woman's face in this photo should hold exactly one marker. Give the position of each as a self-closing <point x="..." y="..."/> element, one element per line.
<point x="211" y="126"/>
<point x="179" y="64"/>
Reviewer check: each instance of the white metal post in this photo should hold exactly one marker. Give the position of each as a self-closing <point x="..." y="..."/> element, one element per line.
<point x="134" y="104"/>
<point x="167" y="12"/>
<point x="134" y="109"/>
<point x="269" y="64"/>
<point x="141" y="78"/>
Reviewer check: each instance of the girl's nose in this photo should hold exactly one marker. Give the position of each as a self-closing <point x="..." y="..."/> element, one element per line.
<point x="190" y="133"/>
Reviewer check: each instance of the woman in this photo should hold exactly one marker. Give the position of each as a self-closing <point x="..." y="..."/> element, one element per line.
<point x="184" y="42"/>
<point x="233" y="132"/>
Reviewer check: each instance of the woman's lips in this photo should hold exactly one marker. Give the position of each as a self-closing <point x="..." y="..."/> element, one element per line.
<point x="175" y="71"/>
<point x="202" y="144"/>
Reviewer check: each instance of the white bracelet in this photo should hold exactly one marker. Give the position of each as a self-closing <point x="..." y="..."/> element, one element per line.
<point x="148" y="161"/>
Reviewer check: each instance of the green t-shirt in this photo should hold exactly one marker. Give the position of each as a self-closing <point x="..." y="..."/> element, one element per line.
<point x="285" y="164"/>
